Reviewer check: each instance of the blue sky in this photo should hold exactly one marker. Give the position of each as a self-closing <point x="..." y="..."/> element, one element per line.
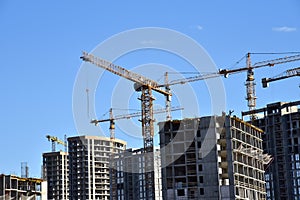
<point x="41" y="42"/>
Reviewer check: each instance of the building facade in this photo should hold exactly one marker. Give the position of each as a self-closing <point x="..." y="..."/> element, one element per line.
<point x="14" y="187"/>
<point x="56" y="172"/>
<point x="89" y="172"/>
<point x="281" y="139"/>
<point x="130" y="175"/>
<point x="216" y="157"/>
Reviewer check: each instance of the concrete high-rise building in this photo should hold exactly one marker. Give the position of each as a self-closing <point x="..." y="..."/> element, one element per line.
<point x="15" y="187"/>
<point x="56" y="172"/>
<point x="216" y="157"/>
<point x="89" y="173"/>
<point x="281" y="139"/>
<point x="130" y="175"/>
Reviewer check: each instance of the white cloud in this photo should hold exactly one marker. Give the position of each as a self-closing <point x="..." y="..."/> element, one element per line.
<point x="284" y="29"/>
<point x="199" y="27"/>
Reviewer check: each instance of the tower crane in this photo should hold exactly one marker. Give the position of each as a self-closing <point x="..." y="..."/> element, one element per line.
<point x="286" y="74"/>
<point x="54" y="140"/>
<point x="112" y="119"/>
<point x="250" y="84"/>
<point x="145" y="85"/>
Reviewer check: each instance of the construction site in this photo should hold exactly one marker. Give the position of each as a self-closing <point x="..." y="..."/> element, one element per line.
<point x="206" y="157"/>
<point x="209" y="157"/>
<point x="150" y="100"/>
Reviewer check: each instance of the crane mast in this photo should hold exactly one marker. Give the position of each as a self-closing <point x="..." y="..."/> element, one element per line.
<point x="148" y="133"/>
<point x="250" y="87"/>
<point x="168" y="98"/>
<point x="113" y="172"/>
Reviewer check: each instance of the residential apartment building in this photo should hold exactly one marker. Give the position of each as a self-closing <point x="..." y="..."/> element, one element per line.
<point x="130" y="175"/>
<point x="89" y="172"/>
<point x="56" y="172"/>
<point x="215" y="157"/>
<point x="281" y="139"/>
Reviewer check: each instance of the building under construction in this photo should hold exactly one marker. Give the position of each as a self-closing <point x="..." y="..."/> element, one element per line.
<point x="130" y="175"/>
<point x="217" y="157"/>
<point x="281" y="124"/>
<point x="56" y="172"/>
<point x="89" y="167"/>
<point x="14" y="187"/>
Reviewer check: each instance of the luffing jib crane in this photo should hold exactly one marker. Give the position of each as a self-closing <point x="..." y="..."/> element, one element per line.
<point x="145" y="85"/>
<point x="54" y="140"/>
<point x="286" y="74"/>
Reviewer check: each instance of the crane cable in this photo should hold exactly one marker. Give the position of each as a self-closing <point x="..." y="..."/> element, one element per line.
<point x="260" y="53"/>
<point x="274" y="53"/>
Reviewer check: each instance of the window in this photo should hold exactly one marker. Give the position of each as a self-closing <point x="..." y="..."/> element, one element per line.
<point x="267" y="177"/>
<point x="201" y="179"/>
<point x="199" y="144"/>
<point x="200" y="156"/>
<point x="268" y="194"/>
<point x="201" y="191"/>
<point x="180" y="192"/>
<point x="294" y="124"/>
<point x="198" y="133"/>
<point x="200" y="168"/>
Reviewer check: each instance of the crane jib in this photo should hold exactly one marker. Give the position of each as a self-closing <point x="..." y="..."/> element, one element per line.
<point x="120" y="71"/>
